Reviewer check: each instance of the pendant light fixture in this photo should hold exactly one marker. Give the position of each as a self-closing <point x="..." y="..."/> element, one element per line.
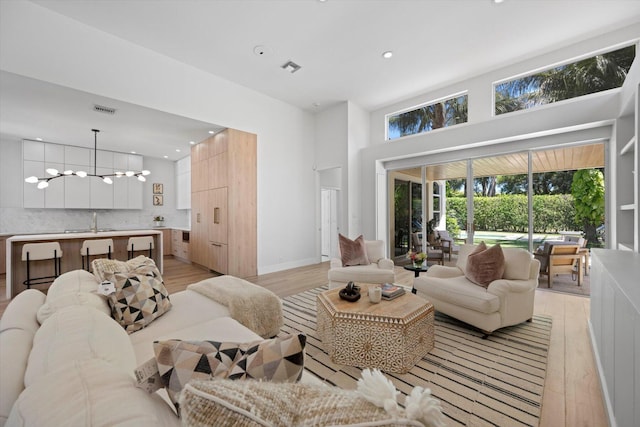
<point x="43" y="183"/>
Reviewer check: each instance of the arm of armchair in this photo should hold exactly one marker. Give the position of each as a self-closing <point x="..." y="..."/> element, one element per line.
<point x="386" y="263"/>
<point x="516" y="299"/>
<point x="502" y="286"/>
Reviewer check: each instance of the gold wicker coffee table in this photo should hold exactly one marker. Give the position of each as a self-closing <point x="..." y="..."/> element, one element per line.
<point x="391" y="335"/>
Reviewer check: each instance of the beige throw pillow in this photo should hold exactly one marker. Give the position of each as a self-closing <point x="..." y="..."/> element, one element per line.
<point x="353" y="252"/>
<point x="222" y="402"/>
<point x="484" y="265"/>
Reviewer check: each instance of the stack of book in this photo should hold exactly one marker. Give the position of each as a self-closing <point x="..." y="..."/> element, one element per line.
<point x="391" y="291"/>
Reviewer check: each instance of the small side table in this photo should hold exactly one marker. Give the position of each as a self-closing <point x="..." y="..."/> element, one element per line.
<point x="416" y="272"/>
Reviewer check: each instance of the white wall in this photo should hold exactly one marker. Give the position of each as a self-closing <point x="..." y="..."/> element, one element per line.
<point x="38" y="43"/>
<point x="358" y="138"/>
<point x="331" y="140"/>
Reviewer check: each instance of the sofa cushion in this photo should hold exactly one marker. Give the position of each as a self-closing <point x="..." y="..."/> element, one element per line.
<point x="72" y="298"/>
<point x="71" y="282"/>
<point x="139" y="299"/>
<point x="217" y="329"/>
<point x="78" y="333"/>
<point x="484" y="265"/>
<point x="516" y="264"/>
<point x="89" y="393"/>
<point x="362" y="273"/>
<point x="254" y="403"/>
<point x="353" y="252"/>
<point x="459" y="291"/>
<point x="279" y="359"/>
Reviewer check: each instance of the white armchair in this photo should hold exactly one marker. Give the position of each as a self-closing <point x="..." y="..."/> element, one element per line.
<point x="380" y="270"/>
<point x="506" y="301"/>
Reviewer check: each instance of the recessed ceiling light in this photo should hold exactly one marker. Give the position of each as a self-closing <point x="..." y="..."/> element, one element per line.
<point x="212" y="132"/>
<point x="498" y="1"/>
<point x="38" y="139"/>
<point x="192" y="142"/>
<point x="166" y="157"/>
<point x="388" y="54"/>
<point x="133" y="152"/>
<point x="177" y="150"/>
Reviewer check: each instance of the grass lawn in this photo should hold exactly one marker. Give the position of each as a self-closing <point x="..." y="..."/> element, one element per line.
<point x="518" y="240"/>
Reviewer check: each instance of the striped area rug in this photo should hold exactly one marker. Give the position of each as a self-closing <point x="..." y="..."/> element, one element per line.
<point x="480" y="382"/>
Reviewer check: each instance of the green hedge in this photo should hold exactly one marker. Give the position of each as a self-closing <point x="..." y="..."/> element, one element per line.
<point x="551" y="213"/>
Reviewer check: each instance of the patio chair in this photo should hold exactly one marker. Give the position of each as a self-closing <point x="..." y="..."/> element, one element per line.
<point x="560" y="258"/>
<point x="434" y="254"/>
<point x="446" y="243"/>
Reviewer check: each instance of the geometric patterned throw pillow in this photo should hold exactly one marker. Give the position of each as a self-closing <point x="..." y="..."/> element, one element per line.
<point x="139" y="299"/>
<point x="279" y="359"/>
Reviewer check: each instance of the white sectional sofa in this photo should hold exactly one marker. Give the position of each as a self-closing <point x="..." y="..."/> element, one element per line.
<point x="75" y="366"/>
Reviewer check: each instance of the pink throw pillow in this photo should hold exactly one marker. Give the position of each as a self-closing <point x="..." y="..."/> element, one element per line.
<point x="353" y="252"/>
<point x="484" y="265"/>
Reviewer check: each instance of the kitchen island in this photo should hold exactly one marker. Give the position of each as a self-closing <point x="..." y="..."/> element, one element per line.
<point x="70" y="244"/>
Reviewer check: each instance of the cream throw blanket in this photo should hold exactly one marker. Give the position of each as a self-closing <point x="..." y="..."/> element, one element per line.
<point x="255" y="307"/>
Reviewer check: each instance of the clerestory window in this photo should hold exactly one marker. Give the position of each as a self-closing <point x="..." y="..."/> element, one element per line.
<point x="436" y="115"/>
<point x="595" y="74"/>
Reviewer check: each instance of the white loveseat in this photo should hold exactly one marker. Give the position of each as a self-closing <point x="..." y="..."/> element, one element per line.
<point x="506" y="301"/>
<point x="380" y="270"/>
<point x="76" y="367"/>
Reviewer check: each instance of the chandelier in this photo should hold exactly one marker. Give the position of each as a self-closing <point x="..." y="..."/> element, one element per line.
<point x="106" y="178"/>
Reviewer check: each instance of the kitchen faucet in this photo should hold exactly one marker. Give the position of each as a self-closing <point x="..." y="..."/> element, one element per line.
<point x="94" y="223"/>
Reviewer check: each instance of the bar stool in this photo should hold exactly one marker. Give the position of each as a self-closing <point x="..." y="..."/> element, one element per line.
<point x="140" y="244"/>
<point x="41" y="251"/>
<point x="95" y="247"/>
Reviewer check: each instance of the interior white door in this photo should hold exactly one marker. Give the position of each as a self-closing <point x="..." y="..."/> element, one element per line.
<point x="329" y="223"/>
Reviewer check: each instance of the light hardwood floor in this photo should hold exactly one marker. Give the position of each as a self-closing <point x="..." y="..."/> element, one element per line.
<point x="572" y="393"/>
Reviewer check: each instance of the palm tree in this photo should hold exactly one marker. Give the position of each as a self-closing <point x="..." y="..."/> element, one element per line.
<point x="591" y="75"/>
<point x="428" y="117"/>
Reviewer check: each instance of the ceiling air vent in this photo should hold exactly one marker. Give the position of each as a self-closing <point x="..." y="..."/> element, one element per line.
<point x="103" y="109"/>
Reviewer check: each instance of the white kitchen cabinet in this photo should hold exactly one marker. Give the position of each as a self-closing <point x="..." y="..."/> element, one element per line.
<point x="32" y="197"/>
<point x="81" y="157"/>
<point x="101" y="192"/>
<point x="104" y="159"/>
<point x="54" y="153"/>
<point x="77" y="191"/>
<point x="183" y="183"/>
<point x="54" y="194"/>
<point x="33" y="150"/>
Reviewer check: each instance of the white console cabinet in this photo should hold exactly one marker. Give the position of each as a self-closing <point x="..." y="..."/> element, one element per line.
<point x="615" y="329"/>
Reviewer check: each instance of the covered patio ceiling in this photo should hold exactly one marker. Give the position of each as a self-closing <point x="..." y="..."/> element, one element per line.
<point x="553" y="160"/>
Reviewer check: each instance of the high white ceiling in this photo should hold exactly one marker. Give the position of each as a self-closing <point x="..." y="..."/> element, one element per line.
<point x="338" y="44"/>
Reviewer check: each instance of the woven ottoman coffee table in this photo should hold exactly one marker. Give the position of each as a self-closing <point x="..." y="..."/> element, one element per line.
<point x="391" y="335"/>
